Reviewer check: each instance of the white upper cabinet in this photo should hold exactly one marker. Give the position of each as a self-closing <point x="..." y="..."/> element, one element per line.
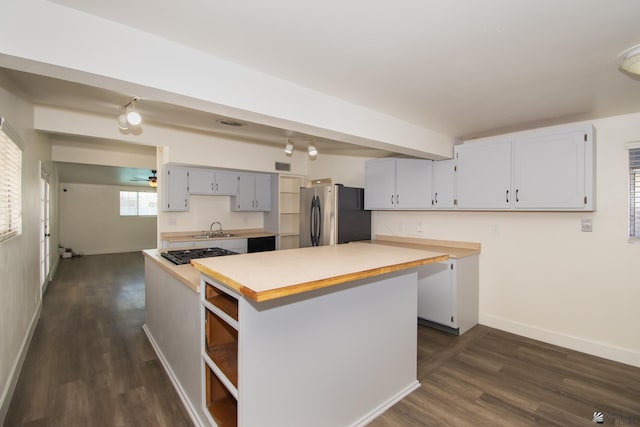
<point x="443" y="184"/>
<point x="483" y="175"/>
<point x="380" y="184"/>
<point x="254" y="193"/>
<point x="211" y="182"/>
<point x="175" y="186"/>
<point x="398" y="184"/>
<point x="549" y="171"/>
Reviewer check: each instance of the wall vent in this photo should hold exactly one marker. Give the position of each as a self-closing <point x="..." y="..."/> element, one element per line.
<point x="280" y="166"/>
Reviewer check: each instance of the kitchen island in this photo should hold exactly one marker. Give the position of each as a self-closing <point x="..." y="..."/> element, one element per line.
<point x="312" y="336"/>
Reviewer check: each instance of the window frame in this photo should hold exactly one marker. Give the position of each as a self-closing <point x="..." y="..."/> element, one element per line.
<point x="137" y="207"/>
<point x="11" y="158"/>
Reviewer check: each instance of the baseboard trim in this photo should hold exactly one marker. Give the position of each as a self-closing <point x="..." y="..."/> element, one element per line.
<point x="193" y="413"/>
<point x="379" y="410"/>
<point x="594" y="348"/>
<point x="10" y="386"/>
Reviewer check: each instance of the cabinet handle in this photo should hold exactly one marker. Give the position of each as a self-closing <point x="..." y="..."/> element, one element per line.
<point x="397" y="199"/>
<point x="507" y="196"/>
<point x="392" y="199"/>
<point x="517" y="200"/>
<point x="216" y="186"/>
<point x="436" y="199"/>
<point x="185" y="203"/>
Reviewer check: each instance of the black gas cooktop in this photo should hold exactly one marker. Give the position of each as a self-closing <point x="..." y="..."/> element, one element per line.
<point x="185" y="256"/>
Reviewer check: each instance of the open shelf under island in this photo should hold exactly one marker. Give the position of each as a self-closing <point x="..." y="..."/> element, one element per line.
<point x="312" y="336"/>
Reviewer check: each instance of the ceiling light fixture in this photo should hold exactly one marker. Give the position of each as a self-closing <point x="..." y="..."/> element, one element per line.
<point x="313" y="151"/>
<point x="129" y="116"/>
<point x="153" y="182"/>
<point x="288" y="149"/>
<point x="629" y="60"/>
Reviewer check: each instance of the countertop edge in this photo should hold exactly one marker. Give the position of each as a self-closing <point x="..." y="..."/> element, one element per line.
<point x="455" y="249"/>
<point x="187" y="236"/>
<point x="333" y="281"/>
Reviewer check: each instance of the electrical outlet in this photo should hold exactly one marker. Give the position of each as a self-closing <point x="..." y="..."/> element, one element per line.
<point x="495" y="230"/>
<point x="172" y="221"/>
<point x="587" y="225"/>
<point x="419" y="227"/>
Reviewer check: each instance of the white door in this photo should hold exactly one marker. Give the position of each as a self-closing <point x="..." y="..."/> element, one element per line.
<point x="413" y="183"/>
<point x="549" y="172"/>
<point x="483" y="176"/>
<point x="379" y="184"/>
<point x="436" y="293"/>
<point x="45" y="239"/>
<point x="201" y="181"/>
<point x="263" y="193"/>
<point x="443" y="184"/>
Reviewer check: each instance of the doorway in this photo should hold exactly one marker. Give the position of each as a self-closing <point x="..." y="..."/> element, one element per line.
<point x="45" y="235"/>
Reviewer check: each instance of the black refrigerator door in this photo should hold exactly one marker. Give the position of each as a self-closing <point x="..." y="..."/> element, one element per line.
<point x="354" y="223"/>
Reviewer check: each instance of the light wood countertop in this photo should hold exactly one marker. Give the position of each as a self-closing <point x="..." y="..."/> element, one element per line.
<point x="264" y="276"/>
<point x="187" y="236"/>
<point x="185" y="273"/>
<point x="453" y="248"/>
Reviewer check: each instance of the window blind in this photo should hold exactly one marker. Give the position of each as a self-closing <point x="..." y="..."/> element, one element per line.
<point x="10" y="182"/>
<point x="634" y="193"/>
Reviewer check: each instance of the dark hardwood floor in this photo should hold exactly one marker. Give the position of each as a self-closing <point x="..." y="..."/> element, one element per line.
<point x="90" y="364"/>
<point x="487" y="377"/>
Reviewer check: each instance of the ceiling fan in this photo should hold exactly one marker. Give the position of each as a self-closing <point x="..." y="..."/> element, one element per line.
<point x="153" y="179"/>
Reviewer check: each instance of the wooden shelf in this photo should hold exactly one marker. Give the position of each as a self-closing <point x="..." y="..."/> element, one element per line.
<point x="221" y="345"/>
<point x="222" y="406"/>
<point x="223" y="301"/>
<point x="225" y="356"/>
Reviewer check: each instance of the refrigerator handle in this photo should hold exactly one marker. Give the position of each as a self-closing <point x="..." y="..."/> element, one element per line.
<point x="315" y="223"/>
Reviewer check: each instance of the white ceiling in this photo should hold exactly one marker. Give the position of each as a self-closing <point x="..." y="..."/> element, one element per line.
<point x="464" y="68"/>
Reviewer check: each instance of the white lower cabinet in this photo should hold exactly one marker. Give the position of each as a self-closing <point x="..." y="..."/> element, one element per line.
<point x="448" y="293"/>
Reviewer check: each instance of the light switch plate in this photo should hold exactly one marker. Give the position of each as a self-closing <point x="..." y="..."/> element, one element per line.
<point x="587" y="225"/>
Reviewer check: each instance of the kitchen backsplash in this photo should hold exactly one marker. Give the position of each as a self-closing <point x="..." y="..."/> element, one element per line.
<point x="203" y="210"/>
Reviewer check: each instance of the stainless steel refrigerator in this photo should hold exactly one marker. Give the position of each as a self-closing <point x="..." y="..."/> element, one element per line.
<point x="333" y="214"/>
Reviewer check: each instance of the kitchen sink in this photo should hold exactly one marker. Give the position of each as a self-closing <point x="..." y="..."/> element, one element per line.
<point x="212" y="235"/>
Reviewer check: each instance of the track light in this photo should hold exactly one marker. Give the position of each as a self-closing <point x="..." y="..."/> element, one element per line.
<point x="313" y="151"/>
<point x="129" y="116"/>
<point x="288" y="149"/>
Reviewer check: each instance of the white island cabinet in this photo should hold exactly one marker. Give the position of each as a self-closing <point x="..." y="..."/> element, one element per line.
<point x="322" y="336"/>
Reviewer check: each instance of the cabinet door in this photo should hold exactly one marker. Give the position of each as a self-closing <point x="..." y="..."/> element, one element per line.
<point x="549" y="172"/>
<point x="175" y="189"/>
<point x="483" y="175"/>
<point x="379" y="184"/>
<point x="413" y="183"/>
<point x="245" y="198"/>
<point x="226" y="183"/>
<point x="436" y="293"/>
<point x="201" y="181"/>
<point x="263" y="193"/>
<point x="444" y="184"/>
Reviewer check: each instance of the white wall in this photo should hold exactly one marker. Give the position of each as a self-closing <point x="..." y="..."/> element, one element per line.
<point x="342" y="169"/>
<point x="540" y="276"/>
<point x="20" y="298"/>
<point x="206" y="209"/>
<point x="90" y="221"/>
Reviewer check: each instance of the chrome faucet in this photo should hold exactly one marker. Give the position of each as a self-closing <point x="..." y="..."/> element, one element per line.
<point x="219" y="231"/>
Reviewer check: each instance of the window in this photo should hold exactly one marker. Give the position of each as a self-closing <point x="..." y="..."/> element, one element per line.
<point x="634" y="192"/>
<point x="10" y="182"/>
<point x="138" y="203"/>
